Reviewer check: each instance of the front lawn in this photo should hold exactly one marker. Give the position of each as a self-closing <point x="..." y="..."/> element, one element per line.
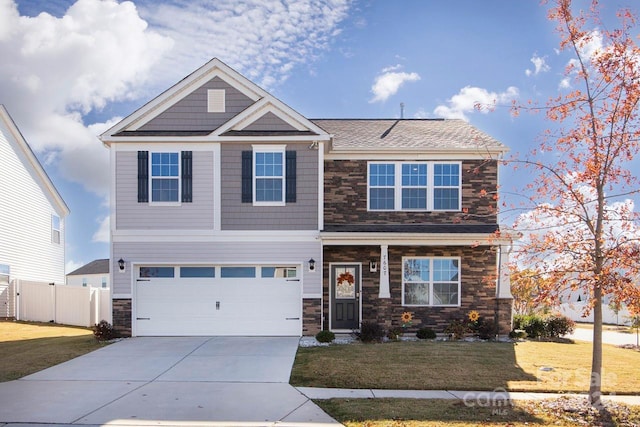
<point x="26" y="348"/>
<point x="523" y="366"/>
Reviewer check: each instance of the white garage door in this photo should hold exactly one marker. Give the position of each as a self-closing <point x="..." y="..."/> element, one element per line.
<point x="218" y="300"/>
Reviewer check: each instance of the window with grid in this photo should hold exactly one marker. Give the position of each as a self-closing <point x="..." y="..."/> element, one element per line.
<point x="446" y="186"/>
<point x="382" y="183"/>
<point x="430" y="281"/>
<point x="165" y="177"/>
<point x="269" y="176"/>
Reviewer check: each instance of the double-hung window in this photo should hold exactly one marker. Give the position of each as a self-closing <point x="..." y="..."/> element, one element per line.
<point x="414" y="186"/>
<point x="430" y="281"/>
<point x="165" y="177"/>
<point x="55" y="229"/>
<point x="269" y="175"/>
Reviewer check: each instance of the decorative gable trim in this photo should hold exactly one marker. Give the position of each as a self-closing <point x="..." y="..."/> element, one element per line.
<point x="216" y="101"/>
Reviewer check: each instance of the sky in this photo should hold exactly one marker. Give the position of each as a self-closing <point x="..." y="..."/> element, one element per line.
<point x="73" y="68"/>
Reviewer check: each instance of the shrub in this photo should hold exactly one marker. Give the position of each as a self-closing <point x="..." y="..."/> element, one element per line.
<point x="558" y="326"/>
<point x="518" y="334"/>
<point x="485" y="330"/>
<point x="395" y="333"/>
<point x="426" y="333"/>
<point x="532" y="324"/>
<point x="103" y="331"/>
<point x="457" y="329"/>
<point x="325" y="336"/>
<point x="371" y="332"/>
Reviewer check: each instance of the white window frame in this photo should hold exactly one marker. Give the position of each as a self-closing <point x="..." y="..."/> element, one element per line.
<point x="398" y="186"/>
<point x="269" y="149"/>
<point x="431" y="281"/>
<point x="178" y="178"/>
<point x="56" y="232"/>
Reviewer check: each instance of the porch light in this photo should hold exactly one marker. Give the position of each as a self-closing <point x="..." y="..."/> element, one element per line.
<point x="121" y="265"/>
<point x="373" y="266"/>
<point x="312" y="264"/>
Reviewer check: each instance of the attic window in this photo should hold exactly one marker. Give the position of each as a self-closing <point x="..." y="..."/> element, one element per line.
<point x="215" y="101"/>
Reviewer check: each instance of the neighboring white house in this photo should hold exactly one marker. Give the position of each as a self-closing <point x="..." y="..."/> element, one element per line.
<point x="32" y="217"/>
<point x="95" y="274"/>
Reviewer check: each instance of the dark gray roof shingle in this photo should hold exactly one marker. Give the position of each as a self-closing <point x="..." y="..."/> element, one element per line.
<point x="412" y="228"/>
<point x="407" y="135"/>
<point x="98" y="266"/>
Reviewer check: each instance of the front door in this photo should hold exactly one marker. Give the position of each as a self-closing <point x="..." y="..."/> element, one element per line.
<point x="345" y="296"/>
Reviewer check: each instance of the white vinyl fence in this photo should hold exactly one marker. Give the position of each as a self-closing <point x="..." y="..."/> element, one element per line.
<point x="67" y="305"/>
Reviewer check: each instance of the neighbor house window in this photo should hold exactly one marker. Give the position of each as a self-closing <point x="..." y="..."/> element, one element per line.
<point x="414" y="186"/>
<point x="104" y="282"/>
<point x="430" y="281"/>
<point x="84" y="282"/>
<point x="269" y="175"/>
<point x="55" y="229"/>
<point x="165" y="177"/>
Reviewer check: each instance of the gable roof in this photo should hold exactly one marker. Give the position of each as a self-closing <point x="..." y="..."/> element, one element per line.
<point x="12" y="133"/>
<point x="256" y="104"/>
<point x="423" y="135"/>
<point x="98" y="266"/>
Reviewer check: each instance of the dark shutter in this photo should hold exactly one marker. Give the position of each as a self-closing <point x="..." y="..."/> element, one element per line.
<point x="247" y="176"/>
<point x="143" y="176"/>
<point x="291" y="177"/>
<point x="187" y="177"/>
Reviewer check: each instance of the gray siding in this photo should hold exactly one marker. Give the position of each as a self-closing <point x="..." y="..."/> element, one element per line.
<point x="270" y="122"/>
<point x="131" y="215"/>
<point x="219" y="253"/>
<point x="190" y="113"/>
<point x="301" y="215"/>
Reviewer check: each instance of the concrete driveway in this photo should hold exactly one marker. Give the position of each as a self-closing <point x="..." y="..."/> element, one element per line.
<point x="167" y="381"/>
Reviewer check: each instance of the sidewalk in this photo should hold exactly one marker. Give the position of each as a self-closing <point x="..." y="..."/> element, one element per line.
<point x="466" y="396"/>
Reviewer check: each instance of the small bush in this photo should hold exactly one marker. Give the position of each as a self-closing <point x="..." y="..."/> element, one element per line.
<point x="518" y="334"/>
<point x="558" y="326"/>
<point x="457" y="329"/>
<point x="395" y="333"/>
<point x="103" y="331"/>
<point x="426" y="333"/>
<point x="325" y="336"/>
<point x="485" y="330"/>
<point x="371" y="332"/>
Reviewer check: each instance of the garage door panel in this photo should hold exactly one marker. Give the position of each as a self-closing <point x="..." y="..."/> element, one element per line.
<point x="221" y="306"/>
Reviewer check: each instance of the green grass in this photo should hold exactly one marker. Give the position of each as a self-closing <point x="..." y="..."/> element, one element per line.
<point x="465" y="366"/>
<point x="440" y="413"/>
<point x="26" y="348"/>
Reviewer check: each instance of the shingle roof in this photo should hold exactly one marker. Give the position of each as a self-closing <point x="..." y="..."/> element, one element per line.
<point x="407" y="134"/>
<point x="98" y="266"/>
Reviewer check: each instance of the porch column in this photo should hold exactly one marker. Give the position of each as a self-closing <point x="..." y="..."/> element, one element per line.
<point x="384" y="272"/>
<point x="504" y="280"/>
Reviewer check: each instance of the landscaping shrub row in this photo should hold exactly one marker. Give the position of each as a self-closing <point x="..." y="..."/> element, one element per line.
<point x="536" y="326"/>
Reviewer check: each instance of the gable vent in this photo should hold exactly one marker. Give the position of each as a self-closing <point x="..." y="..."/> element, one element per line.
<point x="215" y="101"/>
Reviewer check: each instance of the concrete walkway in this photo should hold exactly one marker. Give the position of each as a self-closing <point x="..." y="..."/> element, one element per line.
<point x="167" y="381"/>
<point x="608" y="337"/>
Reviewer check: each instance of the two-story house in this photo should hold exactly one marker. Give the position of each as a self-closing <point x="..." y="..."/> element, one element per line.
<point x="232" y="214"/>
<point x="32" y="218"/>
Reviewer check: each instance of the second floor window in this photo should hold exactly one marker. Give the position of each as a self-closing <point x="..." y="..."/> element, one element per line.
<point x="414" y="186"/>
<point x="55" y="229"/>
<point x="165" y="177"/>
<point x="269" y="176"/>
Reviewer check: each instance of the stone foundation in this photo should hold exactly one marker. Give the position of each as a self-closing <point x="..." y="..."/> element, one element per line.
<point x="122" y="317"/>
<point x="311" y="316"/>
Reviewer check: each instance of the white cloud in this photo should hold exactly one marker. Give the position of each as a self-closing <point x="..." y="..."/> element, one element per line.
<point x="263" y="39"/>
<point x="469" y="97"/>
<point x="540" y="65"/>
<point x="55" y="70"/>
<point x="389" y="81"/>
<point x="103" y="234"/>
<point x="565" y="83"/>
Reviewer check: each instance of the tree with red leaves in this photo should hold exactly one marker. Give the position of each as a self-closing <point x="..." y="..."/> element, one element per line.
<point x="582" y="233"/>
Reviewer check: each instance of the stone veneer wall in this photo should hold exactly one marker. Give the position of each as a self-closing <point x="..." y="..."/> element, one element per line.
<point x="478" y="266"/>
<point x="122" y="317"/>
<point x="345" y="194"/>
<point x="311" y="316"/>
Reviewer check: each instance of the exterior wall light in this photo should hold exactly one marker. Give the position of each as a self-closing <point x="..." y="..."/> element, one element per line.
<point x="312" y="264"/>
<point x="373" y="266"/>
<point x="121" y="265"/>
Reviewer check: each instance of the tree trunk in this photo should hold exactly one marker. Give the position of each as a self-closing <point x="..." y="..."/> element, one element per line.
<point x="595" y="388"/>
